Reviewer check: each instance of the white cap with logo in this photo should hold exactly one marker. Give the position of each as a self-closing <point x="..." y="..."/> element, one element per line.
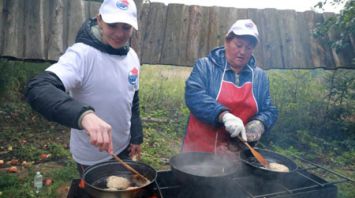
<point x="119" y="11"/>
<point x="244" y="27"/>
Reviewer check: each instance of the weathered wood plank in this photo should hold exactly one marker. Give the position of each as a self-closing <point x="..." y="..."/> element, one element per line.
<point x="48" y="8"/>
<point x="2" y="13"/>
<point x="13" y="44"/>
<point x="75" y="19"/>
<point x="316" y="49"/>
<point x="34" y="30"/>
<point x="175" y="37"/>
<point x="213" y="31"/>
<point x="304" y="35"/>
<point x="195" y="35"/>
<point x="174" y="34"/>
<point x="223" y="24"/>
<point x="289" y="42"/>
<point x="202" y="49"/>
<point x="93" y="9"/>
<point x="257" y="17"/>
<point x="55" y="41"/>
<point x="271" y="39"/>
<point x="136" y="41"/>
<point x="153" y="34"/>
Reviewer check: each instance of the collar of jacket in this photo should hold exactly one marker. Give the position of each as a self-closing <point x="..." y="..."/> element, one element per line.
<point x="218" y="57"/>
<point x="86" y="36"/>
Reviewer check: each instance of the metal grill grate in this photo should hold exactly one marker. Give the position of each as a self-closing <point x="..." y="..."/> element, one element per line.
<point x="308" y="181"/>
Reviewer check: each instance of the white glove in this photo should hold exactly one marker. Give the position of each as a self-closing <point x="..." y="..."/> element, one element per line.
<point x="254" y="130"/>
<point x="234" y="126"/>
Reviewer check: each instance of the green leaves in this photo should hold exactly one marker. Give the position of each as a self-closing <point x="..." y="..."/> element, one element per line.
<point x="342" y="25"/>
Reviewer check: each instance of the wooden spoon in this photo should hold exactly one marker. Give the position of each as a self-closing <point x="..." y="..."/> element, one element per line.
<point x="257" y="155"/>
<point x="143" y="179"/>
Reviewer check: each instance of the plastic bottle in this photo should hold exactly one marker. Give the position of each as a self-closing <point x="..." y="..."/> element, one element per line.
<point x="38" y="181"/>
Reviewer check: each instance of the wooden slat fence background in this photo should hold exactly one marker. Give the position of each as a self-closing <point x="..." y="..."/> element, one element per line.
<point x="174" y="35"/>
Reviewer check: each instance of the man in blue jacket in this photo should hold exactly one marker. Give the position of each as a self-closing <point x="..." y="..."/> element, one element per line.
<point x="227" y="95"/>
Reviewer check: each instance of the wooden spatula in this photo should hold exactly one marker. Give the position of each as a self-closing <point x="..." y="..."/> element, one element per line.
<point x="256" y="154"/>
<point x="141" y="178"/>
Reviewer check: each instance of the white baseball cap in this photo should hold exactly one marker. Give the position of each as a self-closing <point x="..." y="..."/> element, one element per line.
<point x="119" y="11"/>
<point x="244" y="27"/>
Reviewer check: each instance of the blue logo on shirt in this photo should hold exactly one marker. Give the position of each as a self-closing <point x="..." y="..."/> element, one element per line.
<point x="132" y="76"/>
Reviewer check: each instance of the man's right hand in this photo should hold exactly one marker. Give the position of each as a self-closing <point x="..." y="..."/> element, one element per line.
<point x="234" y="125"/>
<point x="99" y="131"/>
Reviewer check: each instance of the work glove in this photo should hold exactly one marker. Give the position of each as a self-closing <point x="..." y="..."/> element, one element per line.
<point x="254" y="130"/>
<point x="234" y="126"/>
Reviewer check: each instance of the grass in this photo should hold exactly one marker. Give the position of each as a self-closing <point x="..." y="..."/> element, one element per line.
<point x="163" y="111"/>
<point x="25" y="135"/>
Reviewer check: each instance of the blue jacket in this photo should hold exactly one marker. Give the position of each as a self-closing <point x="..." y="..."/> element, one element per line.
<point x="204" y="82"/>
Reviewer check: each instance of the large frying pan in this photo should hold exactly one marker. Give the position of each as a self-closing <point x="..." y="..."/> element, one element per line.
<point x="253" y="166"/>
<point x="95" y="179"/>
<point x="199" y="168"/>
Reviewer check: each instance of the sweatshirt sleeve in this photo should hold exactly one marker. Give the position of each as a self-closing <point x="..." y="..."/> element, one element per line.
<point x="136" y="122"/>
<point x="46" y="94"/>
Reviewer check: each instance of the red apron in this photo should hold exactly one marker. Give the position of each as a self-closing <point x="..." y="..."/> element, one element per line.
<point x="202" y="137"/>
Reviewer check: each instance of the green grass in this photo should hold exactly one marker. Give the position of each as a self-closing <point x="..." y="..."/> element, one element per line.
<point x="164" y="112"/>
<point x="164" y="119"/>
<point x="29" y="135"/>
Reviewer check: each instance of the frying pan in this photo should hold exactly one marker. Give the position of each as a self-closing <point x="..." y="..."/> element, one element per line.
<point x="199" y="168"/>
<point x="250" y="163"/>
<point x="95" y="179"/>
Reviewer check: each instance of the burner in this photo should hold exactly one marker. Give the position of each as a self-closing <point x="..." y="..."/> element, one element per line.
<point x="299" y="184"/>
<point x="75" y="191"/>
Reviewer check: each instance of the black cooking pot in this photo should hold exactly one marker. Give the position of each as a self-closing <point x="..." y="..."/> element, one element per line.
<point x="95" y="179"/>
<point x="199" y="168"/>
<point x="251" y="165"/>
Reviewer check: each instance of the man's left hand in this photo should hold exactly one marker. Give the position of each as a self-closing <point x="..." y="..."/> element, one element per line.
<point x="254" y="130"/>
<point x="135" y="151"/>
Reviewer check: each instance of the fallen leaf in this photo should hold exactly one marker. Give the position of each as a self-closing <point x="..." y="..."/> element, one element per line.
<point x="48" y="181"/>
<point x="44" y="156"/>
<point x="26" y="164"/>
<point x="14" y="162"/>
<point x="12" y="169"/>
<point x="9" y="148"/>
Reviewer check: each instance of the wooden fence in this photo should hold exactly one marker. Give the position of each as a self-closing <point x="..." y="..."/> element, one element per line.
<point x="174" y="35"/>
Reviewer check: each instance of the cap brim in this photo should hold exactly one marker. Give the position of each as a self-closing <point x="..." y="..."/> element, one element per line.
<point x="245" y="33"/>
<point x="107" y="18"/>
